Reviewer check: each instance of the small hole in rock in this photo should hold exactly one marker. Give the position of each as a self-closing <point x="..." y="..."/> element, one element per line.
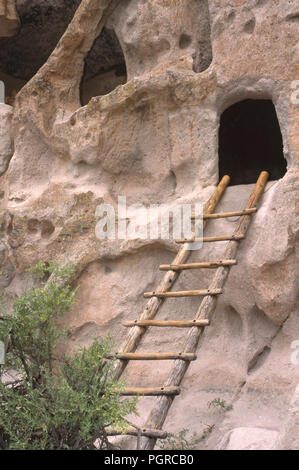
<point x="249" y="26"/>
<point x="185" y="41"/>
<point x="47" y="228"/>
<point x="32" y="225"/>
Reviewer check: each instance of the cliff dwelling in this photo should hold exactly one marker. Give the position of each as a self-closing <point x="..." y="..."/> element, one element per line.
<point x="159" y="101"/>
<point x="250" y="139"/>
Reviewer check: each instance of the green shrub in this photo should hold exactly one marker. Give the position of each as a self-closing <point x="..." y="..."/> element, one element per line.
<point x="218" y="402"/>
<point x="54" y="402"/>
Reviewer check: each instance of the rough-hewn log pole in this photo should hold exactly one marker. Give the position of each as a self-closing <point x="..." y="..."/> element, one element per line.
<point x="150" y="391"/>
<point x="135" y="334"/>
<point x="218" y="238"/>
<point x="184" y="293"/>
<point x="202" y="265"/>
<point x="157" y="356"/>
<point x="222" y="215"/>
<point x="157" y="434"/>
<point x="205" y="311"/>
<point x="168" y="323"/>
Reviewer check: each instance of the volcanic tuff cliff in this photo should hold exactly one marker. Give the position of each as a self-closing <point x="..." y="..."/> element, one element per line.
<point x="129" y="103"/>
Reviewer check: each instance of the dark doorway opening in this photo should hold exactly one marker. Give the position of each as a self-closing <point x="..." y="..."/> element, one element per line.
<point x="105" y="67"/>
<point x="250" y="141"/>
<point x="42" y="25"/>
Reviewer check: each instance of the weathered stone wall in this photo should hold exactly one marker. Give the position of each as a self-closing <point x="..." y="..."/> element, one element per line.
<point x="155" y="139"/>
<point x="9" y="20"/>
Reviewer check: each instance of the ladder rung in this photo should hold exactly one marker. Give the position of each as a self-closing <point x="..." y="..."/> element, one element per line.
<point x="183" y="293"/>
<point x="155" y="391"/>
<point x="178" y="324"/>
<point x="206" y="264"/>
<point x="220" y="238"/>
<point x="156" y="356"/>
<point x="221" y="215"/>
<point x="155" y="433"/>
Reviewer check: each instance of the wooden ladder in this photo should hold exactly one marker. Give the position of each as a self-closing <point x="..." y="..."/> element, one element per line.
<point x="166" y="393"/>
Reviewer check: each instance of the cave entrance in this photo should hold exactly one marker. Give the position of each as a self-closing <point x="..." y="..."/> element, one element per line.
<point x="250" y="141"/>
<point x="105" y="67"/>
